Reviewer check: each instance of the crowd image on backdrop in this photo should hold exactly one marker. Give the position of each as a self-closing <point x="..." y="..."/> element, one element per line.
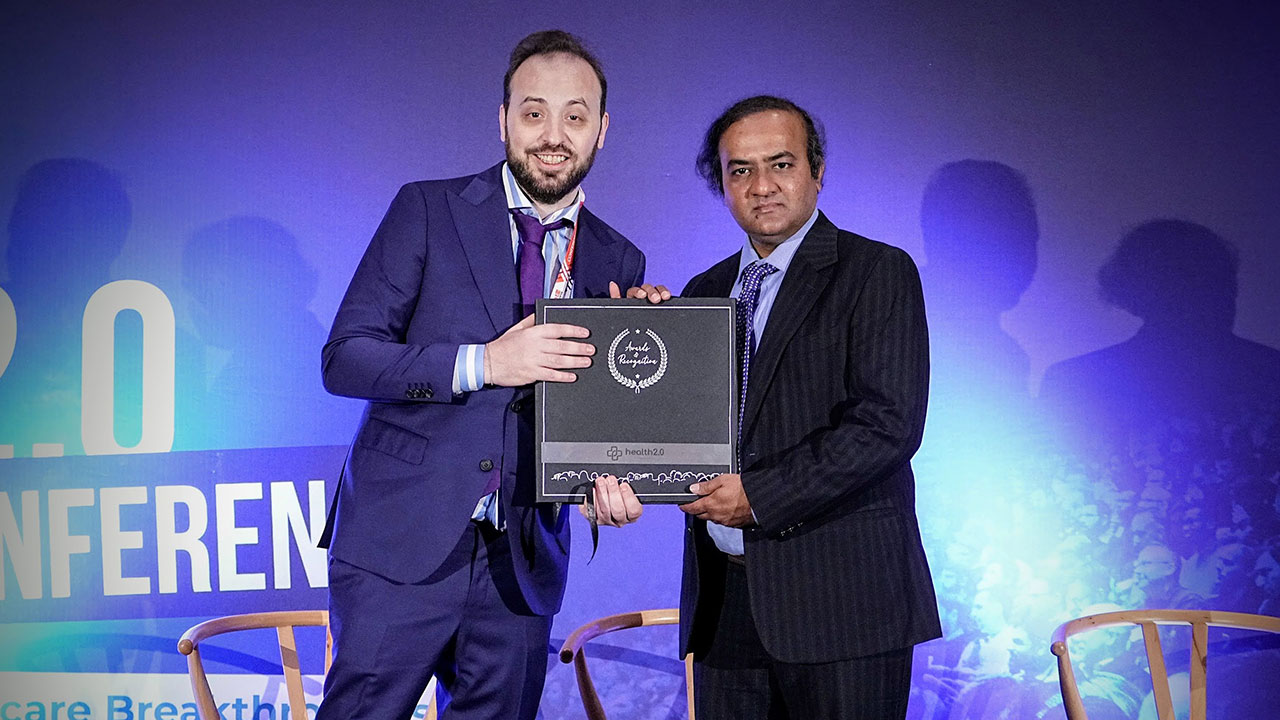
<point x="1180" y="517"/>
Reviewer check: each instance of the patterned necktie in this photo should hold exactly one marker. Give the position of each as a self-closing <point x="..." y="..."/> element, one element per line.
<point x="532" y="268"/>
<point x="752" y="277"/>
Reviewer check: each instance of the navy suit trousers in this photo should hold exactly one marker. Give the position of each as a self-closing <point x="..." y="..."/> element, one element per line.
<point x="465" y="624"/>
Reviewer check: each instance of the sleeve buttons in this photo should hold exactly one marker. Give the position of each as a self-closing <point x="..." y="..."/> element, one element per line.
<point x="419" y="391"/>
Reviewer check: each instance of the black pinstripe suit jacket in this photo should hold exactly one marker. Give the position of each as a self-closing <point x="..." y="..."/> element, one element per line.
<point x="834" y="411"/>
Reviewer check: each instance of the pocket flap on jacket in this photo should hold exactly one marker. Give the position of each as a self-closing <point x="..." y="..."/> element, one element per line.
<point x="392" y="440"/>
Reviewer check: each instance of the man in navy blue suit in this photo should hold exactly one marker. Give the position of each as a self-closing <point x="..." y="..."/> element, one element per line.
<point x="440" y="561"/>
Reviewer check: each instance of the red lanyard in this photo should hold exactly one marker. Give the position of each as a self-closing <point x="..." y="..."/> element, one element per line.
<point x="562" y="286"/>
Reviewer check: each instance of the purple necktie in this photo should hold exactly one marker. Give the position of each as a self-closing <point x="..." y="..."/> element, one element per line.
<point x="532" y="268"/>
<point x="752" y="277"/>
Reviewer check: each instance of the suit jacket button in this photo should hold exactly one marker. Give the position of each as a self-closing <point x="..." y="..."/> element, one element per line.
<point x="428" y="392"/>
<point x="486" y="464"/>
<point x="516" y="406"/>
<point x="410" y="394"/>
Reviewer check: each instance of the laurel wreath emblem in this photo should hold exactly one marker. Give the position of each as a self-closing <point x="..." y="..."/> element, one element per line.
<point x="630" y="383"/>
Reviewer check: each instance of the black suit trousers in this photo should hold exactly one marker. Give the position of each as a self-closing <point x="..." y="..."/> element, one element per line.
<point x="737" y="679"/>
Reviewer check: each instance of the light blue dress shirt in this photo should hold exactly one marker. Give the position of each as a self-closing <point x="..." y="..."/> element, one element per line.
<point x="726" y="538"/>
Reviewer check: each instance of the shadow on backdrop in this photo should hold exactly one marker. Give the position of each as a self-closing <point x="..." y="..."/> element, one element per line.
<point x="1184" y="362"/>
<point x="248" y="287"/>
<point x="979" y="226"/>
<point x="1180" y="426"/>
<point x="980" y="230"/>
<point x="69" y="222"/>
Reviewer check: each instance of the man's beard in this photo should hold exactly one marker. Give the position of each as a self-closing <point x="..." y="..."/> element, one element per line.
<point x="547" y="191"/>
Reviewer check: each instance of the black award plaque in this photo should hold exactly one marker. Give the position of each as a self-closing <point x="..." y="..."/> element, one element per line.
<point x="658" y="407"/>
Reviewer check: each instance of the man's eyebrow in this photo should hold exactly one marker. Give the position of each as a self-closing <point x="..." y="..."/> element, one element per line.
<point x="543" y="101"/>
<point x="776" y="156"/>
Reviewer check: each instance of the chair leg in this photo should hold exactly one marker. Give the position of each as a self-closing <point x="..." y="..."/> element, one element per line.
<point x="1159" y="675"/>
<point x="688" y="682"/>
<point x="1199" y="666"/>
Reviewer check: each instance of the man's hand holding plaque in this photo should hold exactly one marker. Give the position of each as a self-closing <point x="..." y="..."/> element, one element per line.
<point x="526" y="353"/>
<point x="615" y="504"/>
<point x="654" y="294"/>
<point x="723" y="501"/>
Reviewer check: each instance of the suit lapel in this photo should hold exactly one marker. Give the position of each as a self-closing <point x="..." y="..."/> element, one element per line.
<point x="720" y="282"/>
<point x="716" y="282"/>
<point x="807" y="276"/>
<point x="595" y="263"/>
<point x="480" y="216"/>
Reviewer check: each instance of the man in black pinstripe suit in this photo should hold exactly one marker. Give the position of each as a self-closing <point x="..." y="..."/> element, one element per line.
<point x="805" y="582"/>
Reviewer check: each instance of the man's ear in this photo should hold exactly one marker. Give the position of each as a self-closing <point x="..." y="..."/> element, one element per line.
<point x="604" y="128"/>
<point x="502" y="122"/>
<point x="822" y="170"/>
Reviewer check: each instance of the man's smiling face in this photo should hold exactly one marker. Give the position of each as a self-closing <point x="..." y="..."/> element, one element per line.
<point x="552" y="126"/>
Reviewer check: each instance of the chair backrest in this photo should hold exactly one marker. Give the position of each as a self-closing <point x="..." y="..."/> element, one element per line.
<point x="572" y="652"/>
<point x="1199" y="620"/>
<point x="284" y="624"/>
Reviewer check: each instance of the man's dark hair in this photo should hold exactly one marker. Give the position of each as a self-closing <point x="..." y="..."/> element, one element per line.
<point x="708" y="163"/>
<point x="550" y="42"/>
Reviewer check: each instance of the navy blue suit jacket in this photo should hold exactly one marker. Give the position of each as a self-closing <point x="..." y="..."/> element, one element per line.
<point x="439" y="273"/>
<point x="835" y="409"/>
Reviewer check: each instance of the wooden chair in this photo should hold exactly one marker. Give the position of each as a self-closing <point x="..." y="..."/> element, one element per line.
<point x="573" y="652"/>
<point x="283" y="623"/>
<point x="1199" y="620"/>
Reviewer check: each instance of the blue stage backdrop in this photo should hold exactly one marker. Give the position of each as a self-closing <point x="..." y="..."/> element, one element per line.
<point x="1090" y="190"/>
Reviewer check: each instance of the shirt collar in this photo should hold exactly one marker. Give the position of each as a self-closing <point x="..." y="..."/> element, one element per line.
<point x="517" y="200"/>
<point x="781" y="255"/>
